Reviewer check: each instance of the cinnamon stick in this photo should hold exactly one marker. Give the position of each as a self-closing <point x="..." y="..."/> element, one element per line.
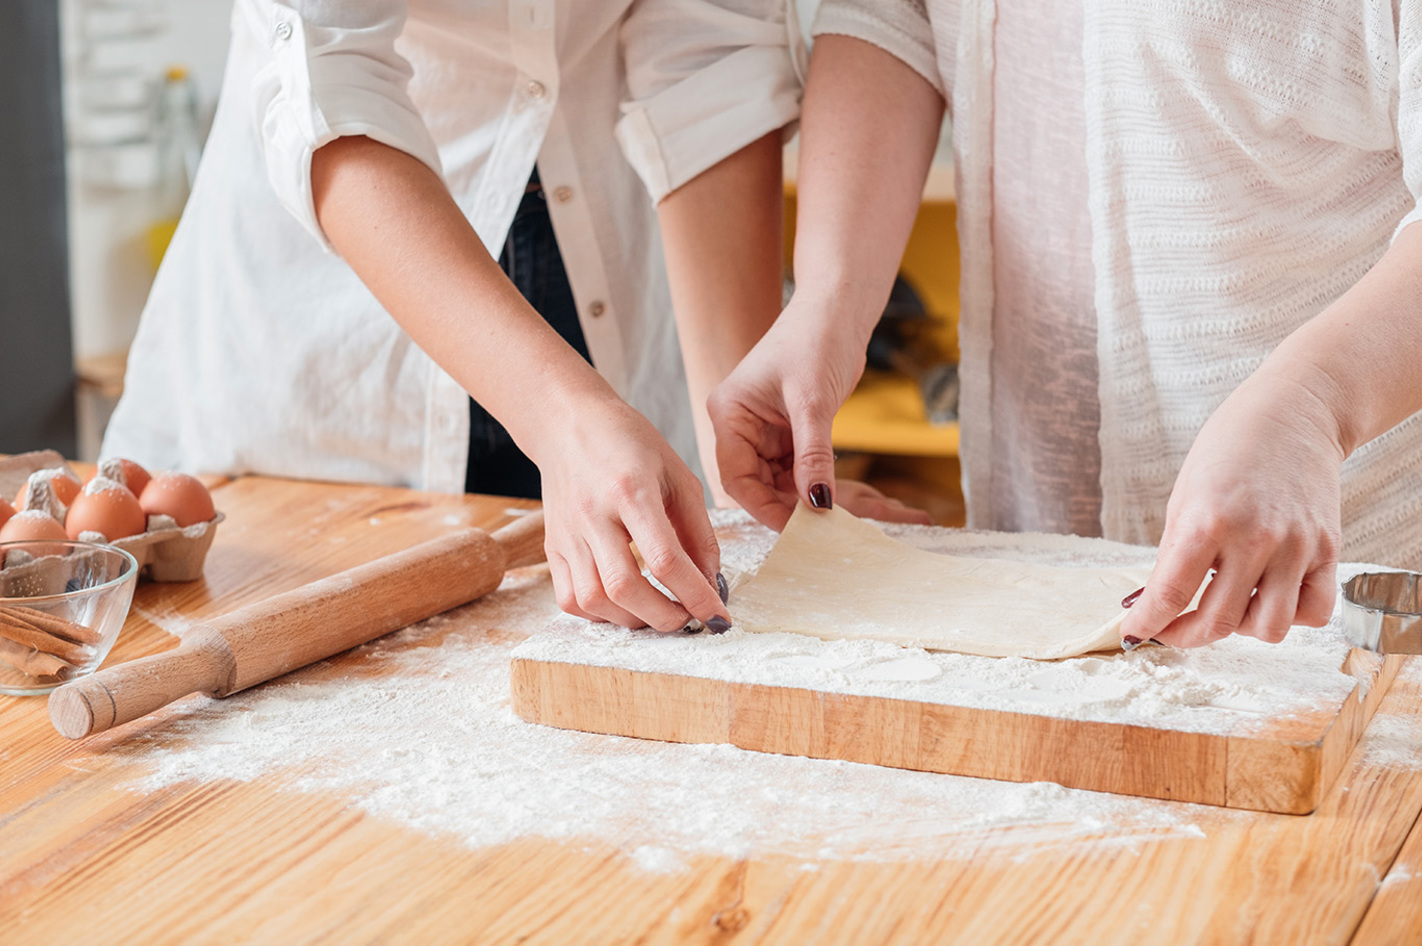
<point x="40" y="621"/>
<point x="35" y="639"/>
<point x="32" y="662"/>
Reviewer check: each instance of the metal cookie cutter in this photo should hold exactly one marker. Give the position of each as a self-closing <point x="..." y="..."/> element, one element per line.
<point x="1382" y="611"/>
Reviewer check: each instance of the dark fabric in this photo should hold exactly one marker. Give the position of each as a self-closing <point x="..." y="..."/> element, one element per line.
<point x="533" y="263"/>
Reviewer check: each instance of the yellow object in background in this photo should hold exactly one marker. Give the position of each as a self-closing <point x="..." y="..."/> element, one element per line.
<point x="885" y="414"/>
<point x="178" y="150"/>
<point x="157" y="237"/>
<point x="882" y="434"/>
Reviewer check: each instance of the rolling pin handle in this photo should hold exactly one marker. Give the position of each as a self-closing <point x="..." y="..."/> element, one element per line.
<point x="131" y="690"/>
<point x="522" y="540"/>
<point x="286" y="632"/>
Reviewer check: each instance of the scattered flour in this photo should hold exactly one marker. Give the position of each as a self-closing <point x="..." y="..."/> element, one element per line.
<point x="658" y="860"/>
<point x="1393" y="741"/>
<point x="416" y="728"/>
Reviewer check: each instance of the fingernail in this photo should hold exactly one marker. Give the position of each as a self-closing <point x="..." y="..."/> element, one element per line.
<point x="722" y="589"/>
<point x="1130" y="643"/>
<point x="820" y="496"/>
<point x="693" y="628"/>
<point x="1131" y="598"/>
<point x="718" y="625"/>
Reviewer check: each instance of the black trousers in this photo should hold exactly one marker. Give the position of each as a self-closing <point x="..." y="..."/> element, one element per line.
<point x="531" y="260"/>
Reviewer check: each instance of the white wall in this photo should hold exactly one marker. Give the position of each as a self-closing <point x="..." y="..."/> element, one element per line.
<point x="115" y="55"/>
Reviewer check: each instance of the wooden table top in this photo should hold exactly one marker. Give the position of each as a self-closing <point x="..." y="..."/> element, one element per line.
<point x="84" y="858"/>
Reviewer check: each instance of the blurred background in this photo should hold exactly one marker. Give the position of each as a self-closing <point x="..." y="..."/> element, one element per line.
<point x="106" y="104"/>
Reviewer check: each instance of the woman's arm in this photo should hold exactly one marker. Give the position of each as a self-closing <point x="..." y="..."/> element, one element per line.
<point x="608" y="477"/>
<point x="721" y="232"/>
<point x="1257" y="498"/>
<point x="868" y="132"/>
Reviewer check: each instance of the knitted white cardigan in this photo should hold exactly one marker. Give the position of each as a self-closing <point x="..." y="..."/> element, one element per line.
<point x="1247" y="163"/>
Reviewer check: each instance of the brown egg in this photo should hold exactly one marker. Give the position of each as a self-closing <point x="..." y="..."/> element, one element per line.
<point x="64" y="484"/>
<point x="107" y="508"/>
<point x="31" y="524"/>
<point x="178" y="495"/>
<point x="126" y="472"/>
<point x="6" y="511"/>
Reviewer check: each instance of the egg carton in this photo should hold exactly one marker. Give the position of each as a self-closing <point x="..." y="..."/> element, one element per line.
<point x="165" y="551"/>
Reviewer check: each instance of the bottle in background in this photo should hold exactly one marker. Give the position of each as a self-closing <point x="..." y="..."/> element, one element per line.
<point x="178" y="149"/>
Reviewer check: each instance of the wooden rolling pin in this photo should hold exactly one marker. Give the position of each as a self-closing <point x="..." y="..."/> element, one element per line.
<point x="310" y="623"/>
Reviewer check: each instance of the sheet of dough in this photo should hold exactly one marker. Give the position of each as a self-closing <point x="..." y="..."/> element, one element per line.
<point x="833" y="576"/>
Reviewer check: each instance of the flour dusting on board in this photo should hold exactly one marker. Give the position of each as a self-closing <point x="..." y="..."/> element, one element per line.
<point x="1222" y="689"/>
<point x="416" y="728"/>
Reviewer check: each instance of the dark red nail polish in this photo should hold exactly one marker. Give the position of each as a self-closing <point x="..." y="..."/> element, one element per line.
<point x="820" y="496"/>
<point x="1130" y="643"/>
<point x="718" y="625"/>
<point x="722" y="589"/>
<point x="1132" y="598"/>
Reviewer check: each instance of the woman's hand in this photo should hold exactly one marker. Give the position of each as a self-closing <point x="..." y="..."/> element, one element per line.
<point x="609" y="479"/>
<point x="773" y="416"/>
<point x="1257" y="501"/>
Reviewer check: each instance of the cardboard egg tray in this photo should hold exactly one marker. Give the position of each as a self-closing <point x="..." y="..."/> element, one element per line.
<point x="165" y="551"/>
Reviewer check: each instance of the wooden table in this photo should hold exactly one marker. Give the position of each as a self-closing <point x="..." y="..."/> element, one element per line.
<point x="84" y="860"/>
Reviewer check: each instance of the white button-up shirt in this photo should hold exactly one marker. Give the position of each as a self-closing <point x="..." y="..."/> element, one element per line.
<point x="261" y="351"/>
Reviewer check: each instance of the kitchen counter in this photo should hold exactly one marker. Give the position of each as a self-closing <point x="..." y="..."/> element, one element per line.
<point x="92" y="850"/>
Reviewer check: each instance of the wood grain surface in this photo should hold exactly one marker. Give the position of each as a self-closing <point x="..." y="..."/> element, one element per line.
<point x="84" y="858"/>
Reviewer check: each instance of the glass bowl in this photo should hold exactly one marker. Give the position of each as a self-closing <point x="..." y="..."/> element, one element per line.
<point x="62" y="605"/>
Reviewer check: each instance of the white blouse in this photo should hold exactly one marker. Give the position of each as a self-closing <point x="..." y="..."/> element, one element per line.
<point x="1046" y="462"/>
<point x="261" y="351"/>
<point x="1245" y="165"/>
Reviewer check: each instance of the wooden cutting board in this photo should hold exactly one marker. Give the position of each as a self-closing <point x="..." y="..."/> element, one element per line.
<point x="1285" y="765"/>
<point x="1282" y="756"/>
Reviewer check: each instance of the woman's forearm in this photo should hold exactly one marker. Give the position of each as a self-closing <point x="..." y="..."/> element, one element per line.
<point x="722" y="235"/>
<point x="394" y="222"/>
<point x="608" y="479"/>
<point x="1358" y="358"/>
<point x="868" y="133"/>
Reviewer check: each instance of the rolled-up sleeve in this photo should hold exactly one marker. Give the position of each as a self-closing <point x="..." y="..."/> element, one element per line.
<point x="899" y="27"/>
<point x="330" y="70"/>
<point x="705" y="79"/>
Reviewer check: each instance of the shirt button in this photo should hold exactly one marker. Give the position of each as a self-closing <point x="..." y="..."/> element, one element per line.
<point x="563" y="194"/>
<point x="283" y="31"/>
<point x="536" y="89"/>
<point x="597" y="309"/>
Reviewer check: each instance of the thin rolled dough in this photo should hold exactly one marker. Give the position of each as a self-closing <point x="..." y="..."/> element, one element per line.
<point x="833" y="576"/>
